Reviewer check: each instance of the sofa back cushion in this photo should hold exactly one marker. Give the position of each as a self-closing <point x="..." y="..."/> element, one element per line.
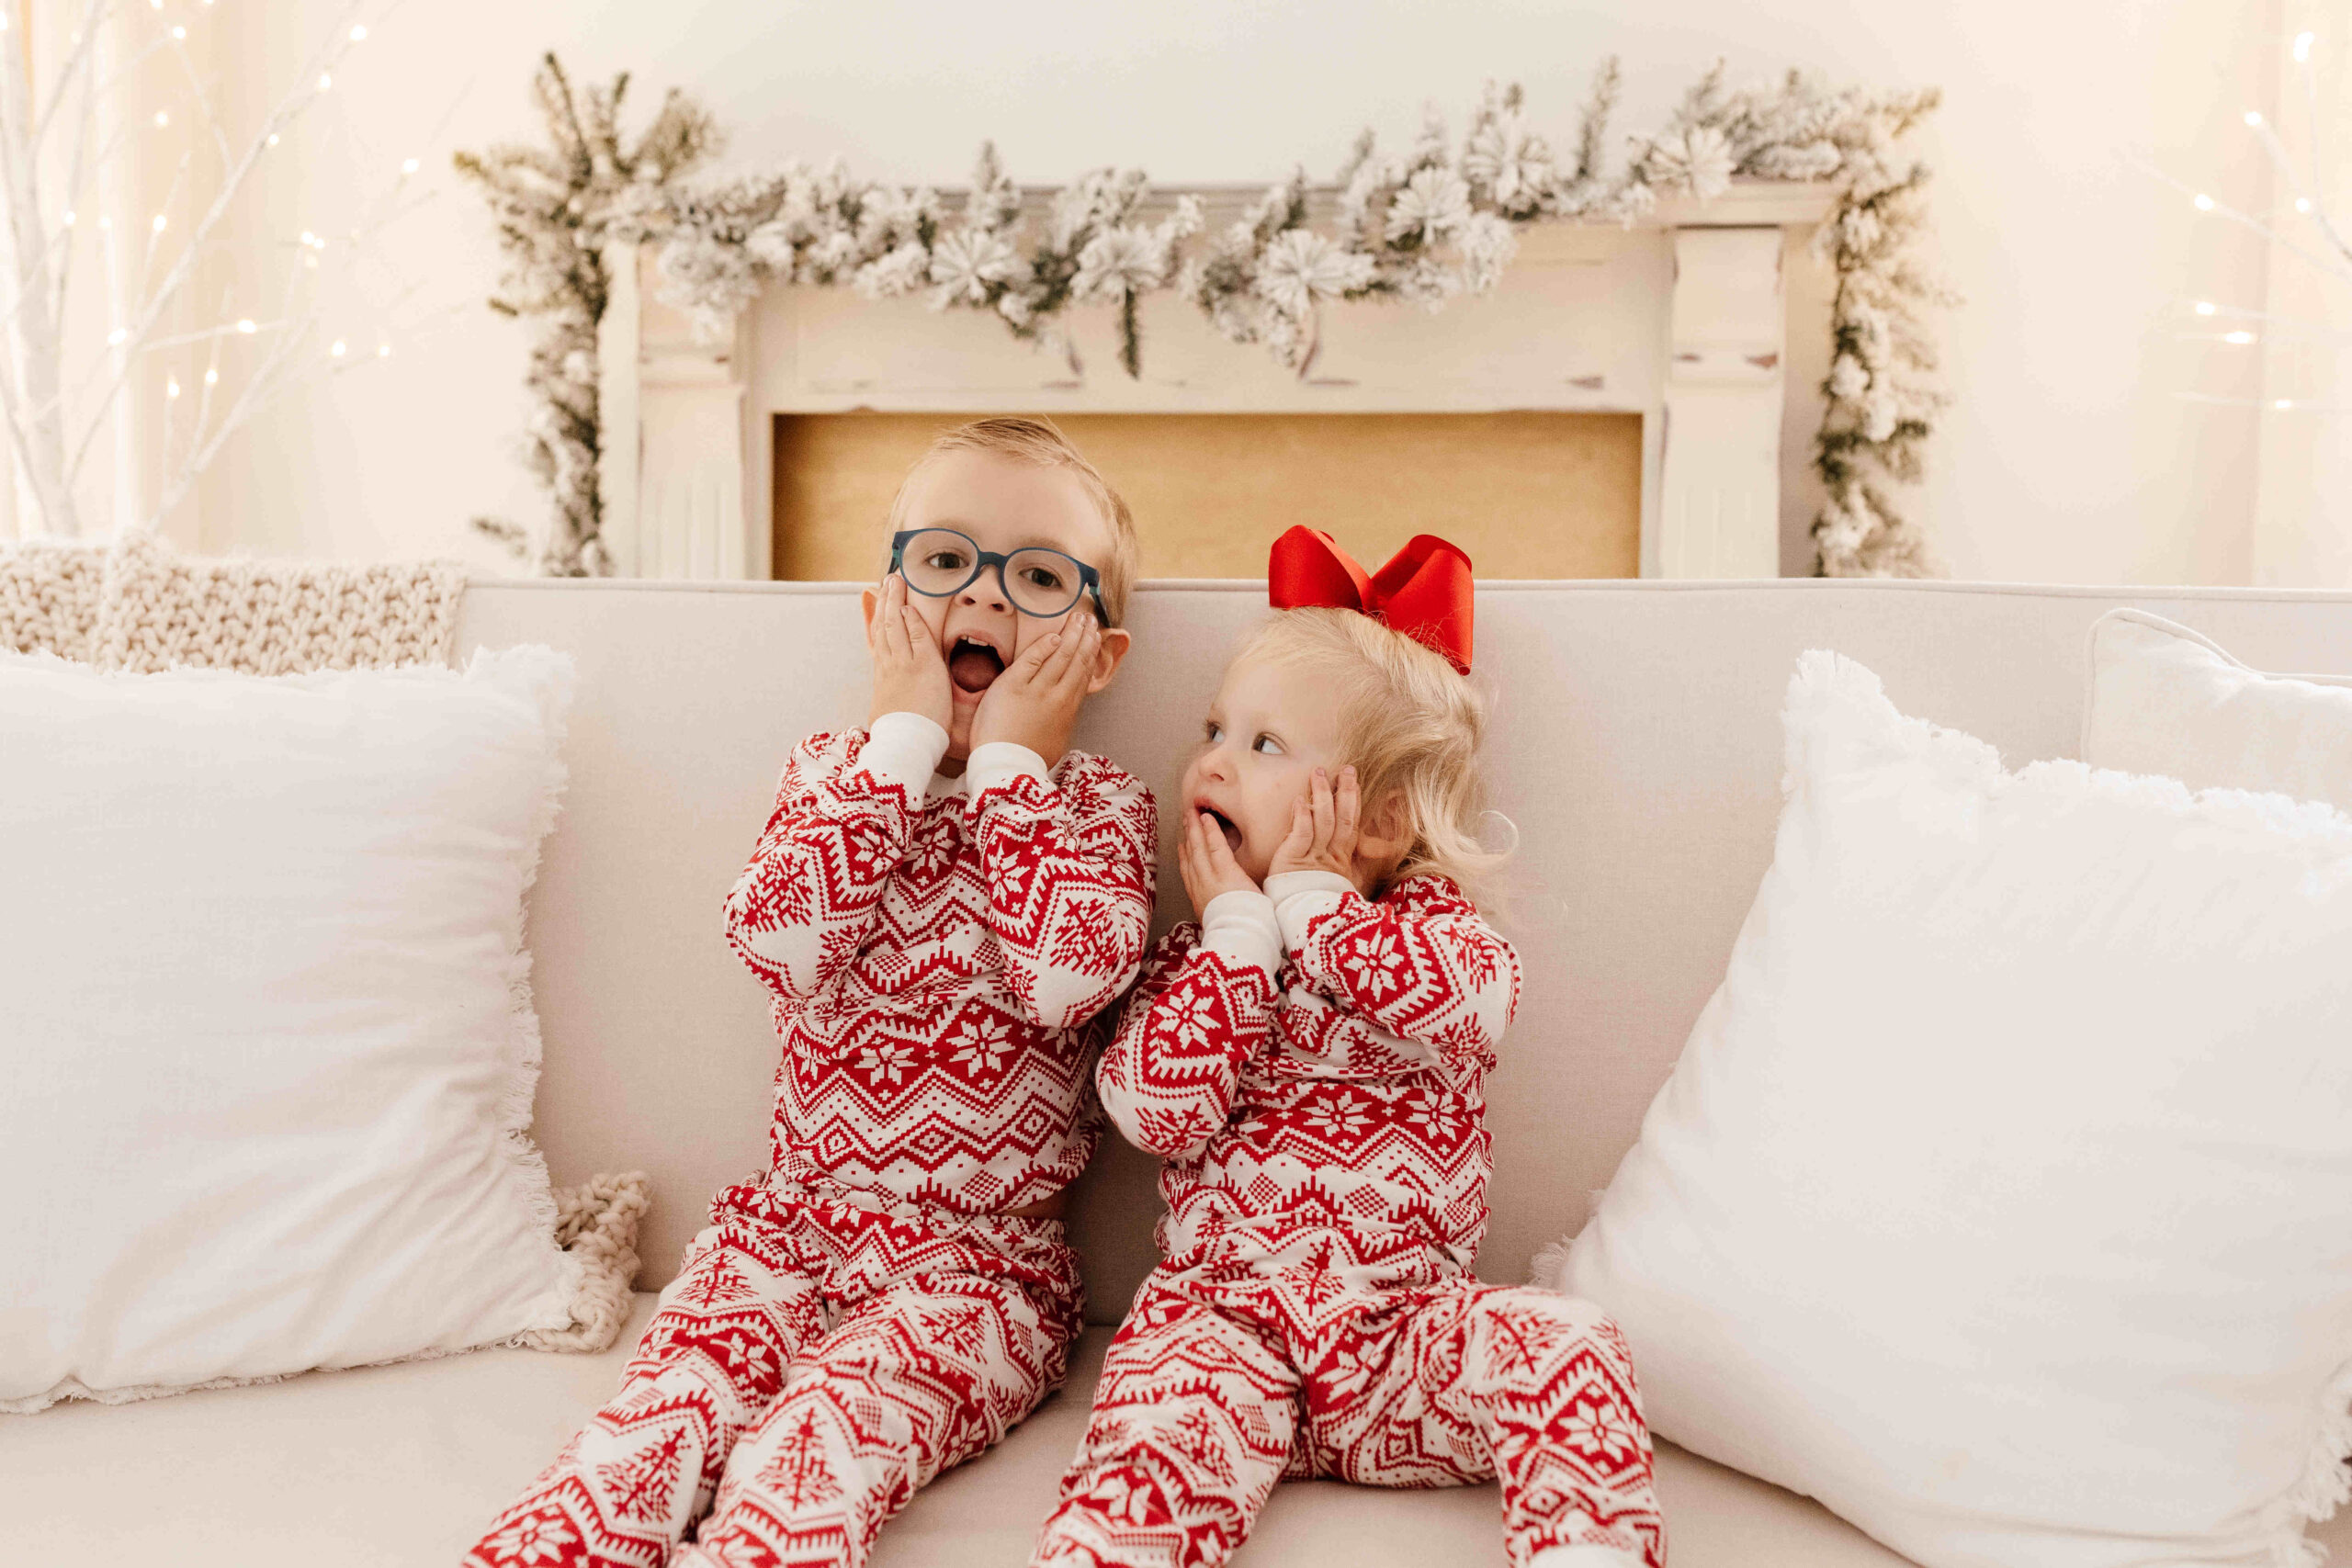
<point x="2164" y="700"/>
<point x="1636" y="746"/>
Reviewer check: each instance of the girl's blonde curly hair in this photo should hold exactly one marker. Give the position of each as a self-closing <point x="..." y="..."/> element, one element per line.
<point x="1410" y="723"/>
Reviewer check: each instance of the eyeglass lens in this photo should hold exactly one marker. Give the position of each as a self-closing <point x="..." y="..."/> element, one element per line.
<point x="940" y="561"/>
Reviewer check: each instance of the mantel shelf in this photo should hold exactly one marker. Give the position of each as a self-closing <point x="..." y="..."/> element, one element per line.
<point x="1679" y="317"/>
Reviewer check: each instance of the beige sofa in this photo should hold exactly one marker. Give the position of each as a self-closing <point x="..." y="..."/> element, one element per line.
<point x="1637" y="748"/>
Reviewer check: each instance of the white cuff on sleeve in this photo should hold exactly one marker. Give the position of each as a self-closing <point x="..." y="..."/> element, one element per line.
<point x="1240" y="927"/>
<point x="1000" y="762"/>
<point x="904" y="748"/>
<point x="1300" y="895"/>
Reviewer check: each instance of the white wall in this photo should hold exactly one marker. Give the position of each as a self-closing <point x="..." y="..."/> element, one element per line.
<point x="2068" y="456"/>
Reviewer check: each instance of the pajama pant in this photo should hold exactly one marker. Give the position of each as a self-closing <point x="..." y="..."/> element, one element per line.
<point x="1309" y="1352"/>
<point x="812" y="1365"/>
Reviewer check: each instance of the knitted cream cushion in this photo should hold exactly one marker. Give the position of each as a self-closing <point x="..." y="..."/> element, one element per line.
<point x="49" y="598"/>
<point x="1999" y="1200"/>
<point x="159" y="610"/>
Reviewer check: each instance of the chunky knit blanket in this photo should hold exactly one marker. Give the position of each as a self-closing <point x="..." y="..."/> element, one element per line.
<point x="140" y="608"/>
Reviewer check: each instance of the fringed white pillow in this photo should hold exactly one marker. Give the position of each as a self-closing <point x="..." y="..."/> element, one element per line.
<point x="2002" y="1198"/>
<point x="267" y="1039"/>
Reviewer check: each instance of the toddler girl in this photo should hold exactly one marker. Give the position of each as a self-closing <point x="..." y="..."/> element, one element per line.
<point x="1309" y="1059"/>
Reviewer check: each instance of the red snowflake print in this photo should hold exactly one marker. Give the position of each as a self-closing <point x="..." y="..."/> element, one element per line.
<point x="536" y="1537"/>
<point x="1341" y="1116"/>
<point x="981" y="1043"/>
<point x="1374" y="963"/>
<point x="1190" y="1019"/>
<point x="1600" y="1431"/>
<point x="886" y="1063"/>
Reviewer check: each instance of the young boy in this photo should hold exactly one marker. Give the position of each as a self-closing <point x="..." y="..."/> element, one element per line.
<point x="940" y="903"/>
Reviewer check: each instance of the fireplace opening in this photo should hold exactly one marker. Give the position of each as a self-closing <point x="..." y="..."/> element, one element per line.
<point x="1528" y="494"/>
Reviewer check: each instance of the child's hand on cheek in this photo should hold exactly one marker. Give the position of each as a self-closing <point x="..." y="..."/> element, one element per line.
<point x="1207" y="862"/>
<point x="908" y="674"/>
<point x="1035" y="701"/>
<point x="1322" y="828"/>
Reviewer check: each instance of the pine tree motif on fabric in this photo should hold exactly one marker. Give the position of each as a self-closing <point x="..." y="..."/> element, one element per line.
<point x="644" y="1485"/>
<point x="798" y="1477"/>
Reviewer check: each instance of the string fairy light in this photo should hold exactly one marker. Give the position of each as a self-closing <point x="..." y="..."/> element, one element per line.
<point x="2315" y="239"/>
<point x="147" y="284"/>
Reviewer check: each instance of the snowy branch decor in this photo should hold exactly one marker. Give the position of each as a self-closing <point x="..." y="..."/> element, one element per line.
<point x="69" y="150"/>
<point x="1438" y="220"/>
<point x="556" y="208"/>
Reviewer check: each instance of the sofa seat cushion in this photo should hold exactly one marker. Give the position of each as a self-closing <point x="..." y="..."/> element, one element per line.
<point x="402" y="1466"/>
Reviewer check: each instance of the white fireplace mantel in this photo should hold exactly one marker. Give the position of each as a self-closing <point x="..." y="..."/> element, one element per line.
<point x="1682" y="319"/>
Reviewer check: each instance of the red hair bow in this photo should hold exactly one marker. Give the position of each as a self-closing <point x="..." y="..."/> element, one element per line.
<point x="1423" y="592"/>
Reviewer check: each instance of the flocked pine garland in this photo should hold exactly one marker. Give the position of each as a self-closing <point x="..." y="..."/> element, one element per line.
<point x="1422" y="226"/>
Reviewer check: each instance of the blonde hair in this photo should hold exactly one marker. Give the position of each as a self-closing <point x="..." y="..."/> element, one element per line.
<point x="1409" y="722"/>
<point x="1038" y="442"/>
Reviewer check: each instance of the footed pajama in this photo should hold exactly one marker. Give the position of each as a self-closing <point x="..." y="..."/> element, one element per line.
<point x="936" y="950"/>
<point x="1316" y="1352"/>
<point x="1311" y="1065"/>
<point x="813" y="1366"/>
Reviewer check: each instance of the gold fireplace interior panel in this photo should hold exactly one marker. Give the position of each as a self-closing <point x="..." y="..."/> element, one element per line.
<point x="1528" y="495"/>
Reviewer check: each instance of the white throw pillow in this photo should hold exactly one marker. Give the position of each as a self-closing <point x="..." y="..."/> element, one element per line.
<point x="2166" y="700"/>
<point x="267" y="1042"/>
<point x="2002" y="1198"/>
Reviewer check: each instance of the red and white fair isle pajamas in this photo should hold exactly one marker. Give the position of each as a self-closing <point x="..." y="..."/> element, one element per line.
<point x="867" y="1315"/>
<point x="1311" y="1064"/>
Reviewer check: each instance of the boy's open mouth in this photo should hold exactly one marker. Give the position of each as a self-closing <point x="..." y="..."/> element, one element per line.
<point x="973" y="664"/>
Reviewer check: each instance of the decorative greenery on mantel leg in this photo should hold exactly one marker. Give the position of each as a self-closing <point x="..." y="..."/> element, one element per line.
<point x="1422" y="226"/>
<point x="556" y="208"/>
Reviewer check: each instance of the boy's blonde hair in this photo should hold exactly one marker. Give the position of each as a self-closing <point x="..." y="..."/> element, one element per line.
<point x="1409" y="722"/>
<point x="1039" y="443"/>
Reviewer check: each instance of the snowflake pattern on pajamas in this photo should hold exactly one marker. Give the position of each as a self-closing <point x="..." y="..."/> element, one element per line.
<point x="937" y="963"/>
<point x="867" y="1315"/>
<point x="1327" y="1162"/>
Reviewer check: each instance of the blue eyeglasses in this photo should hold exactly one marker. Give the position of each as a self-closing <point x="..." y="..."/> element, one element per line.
<point x="937" y="562"/>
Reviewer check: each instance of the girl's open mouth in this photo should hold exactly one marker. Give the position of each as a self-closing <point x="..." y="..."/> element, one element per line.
<point x="973" y="665"/>
<point x="1232" y="833"/>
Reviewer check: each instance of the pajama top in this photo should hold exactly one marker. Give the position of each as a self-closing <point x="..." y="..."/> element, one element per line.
<point x="939" y="949"/>
<point x="1309" y="1055"/>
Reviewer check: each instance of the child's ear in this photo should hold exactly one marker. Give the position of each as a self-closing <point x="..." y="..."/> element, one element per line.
<point x="871" y="600"/>
<point x="1116" y="643"/>
<point x="1382" y="835"/>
